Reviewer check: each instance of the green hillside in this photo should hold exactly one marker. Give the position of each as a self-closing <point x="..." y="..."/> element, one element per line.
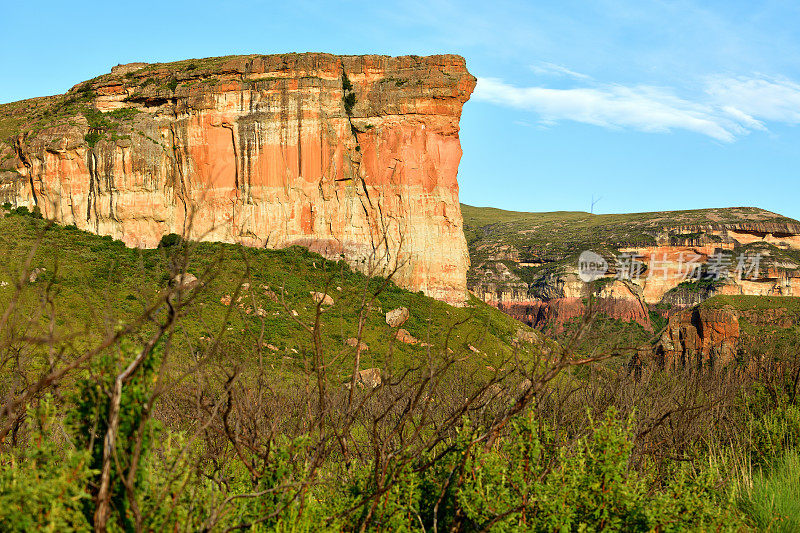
<point x="552" y="236"/>
<point x="94" y="283"/>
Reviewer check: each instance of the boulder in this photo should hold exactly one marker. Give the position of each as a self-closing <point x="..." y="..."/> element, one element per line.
<point x="185" y="282"/>
<point x="35" y="273"/>
<point x="397" y="317"/>
<point x="369" y="377"/>
<point x="353" y="342"/>
<point x="321" y="297"/>
<point x="405" y="337"/>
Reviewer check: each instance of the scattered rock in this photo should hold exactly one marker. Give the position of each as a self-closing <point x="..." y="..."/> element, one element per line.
<point x="369" y="377"/>
<point x="272" y="347"/>
<point x="353" y="342"/>
<point x="261" y="312"/>
<point x="269" y="293"/>
<point x="295" y="313"/>
<point x="405" y="337"/>
<point x="35" y="273"/>
<point x="185" y="282"/>
<point x="525" y="336"/>
<point x="226" y="300"/>
<point x="474" y="349"/>
<point x="397" y="317"/>
<point x="321" y="297"/>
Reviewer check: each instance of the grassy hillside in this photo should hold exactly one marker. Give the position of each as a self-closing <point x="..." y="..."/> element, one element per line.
<point x="95" y="283"/>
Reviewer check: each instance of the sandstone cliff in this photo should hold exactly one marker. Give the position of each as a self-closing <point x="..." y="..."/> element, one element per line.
<point x="349" y="156"/>
<point x="527" y="263"/>
<point x="756" y="332"/>
<point x="698" y="339"/>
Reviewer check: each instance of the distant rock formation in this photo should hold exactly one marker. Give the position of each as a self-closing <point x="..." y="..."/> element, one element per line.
<point x="526" y="264"/>
<point x="349" y="156"/>
<point x="698" y="339"/>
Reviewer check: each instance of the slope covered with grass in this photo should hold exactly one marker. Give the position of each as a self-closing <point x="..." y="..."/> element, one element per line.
<point x="253" y="297"/>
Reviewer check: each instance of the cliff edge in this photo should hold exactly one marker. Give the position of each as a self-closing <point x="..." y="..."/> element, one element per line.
<point x="353" y="157"/>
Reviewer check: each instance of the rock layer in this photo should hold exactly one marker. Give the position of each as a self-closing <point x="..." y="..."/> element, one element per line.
<point x="698" y="339"/>
<point x="349" y="156"/>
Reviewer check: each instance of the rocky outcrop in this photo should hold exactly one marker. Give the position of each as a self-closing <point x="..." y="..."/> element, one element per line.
<point x="553" y="301"/>
<point x="536" y="279"/>
<point x="698" y="339"/>
<point x="349" y="156"/>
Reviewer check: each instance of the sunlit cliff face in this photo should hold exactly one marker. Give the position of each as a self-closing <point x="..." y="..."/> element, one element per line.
<point x="349" y="156"/>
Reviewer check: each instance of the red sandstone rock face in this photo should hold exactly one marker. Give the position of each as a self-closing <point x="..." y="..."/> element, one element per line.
<point x="699" y="339"/>
<point x="262" y="150"/>
<point x="556" y="313"/>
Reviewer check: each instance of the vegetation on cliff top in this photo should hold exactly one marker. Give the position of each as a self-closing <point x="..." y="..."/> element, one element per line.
<point x="555" y="235"/>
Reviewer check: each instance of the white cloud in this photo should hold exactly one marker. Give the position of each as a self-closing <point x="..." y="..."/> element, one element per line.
<point x="728" y="108"/>
<point x="612" y="106"/>
<point x="543" y="68"/>
<point x="775" y="100"/>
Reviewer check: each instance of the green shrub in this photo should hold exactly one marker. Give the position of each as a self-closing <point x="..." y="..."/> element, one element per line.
<point x="43" y="486"/>
<point x="92" y="138"/>
<point x="775" y="433"/>
<point x="170" y="240"/>
<point x="349" y="103"/>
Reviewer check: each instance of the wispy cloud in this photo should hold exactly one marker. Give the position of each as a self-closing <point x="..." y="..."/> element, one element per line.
<point x="544" y="68"/>
<point x="769" y="99"/>
<point x="725" y="109"/>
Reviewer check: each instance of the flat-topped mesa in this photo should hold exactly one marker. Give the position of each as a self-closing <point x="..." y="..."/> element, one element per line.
<point x="352" y="156"/>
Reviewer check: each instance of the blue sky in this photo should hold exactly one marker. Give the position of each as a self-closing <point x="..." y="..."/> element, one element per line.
<point x="650" y="105"/>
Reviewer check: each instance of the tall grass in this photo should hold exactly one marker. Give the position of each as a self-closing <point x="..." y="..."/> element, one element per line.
<point x="771" y="498"/>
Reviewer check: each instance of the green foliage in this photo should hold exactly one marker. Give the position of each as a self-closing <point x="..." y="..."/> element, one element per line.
<point x="349" y="103"/>
<point x="773" y="431"/>
<point x="92" y="138"/>
<point x="89" y="417"/>
<point x="700" y="285"/>
<point x="43" y="486"/>
<point x="23" y="211"/>
<point x="590" y="488"/>
<point x="97" y="119"/>
<point x="172" y="84"/>
<point x="348" y="94"/>
<point x="529" y="482"/>
<point x="124" y="113"/>
<point x="170" y="240"/>
<point x="657" y="320"/>
<point x="346" y="85"/>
